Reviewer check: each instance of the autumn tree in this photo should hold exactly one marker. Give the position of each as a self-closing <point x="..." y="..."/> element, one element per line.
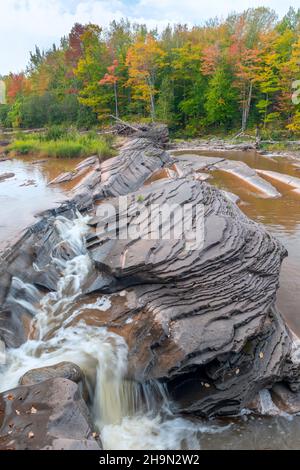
<point x="144" y="60"/>
<point x="16" y="86"/>
<point x="91" y="69"/>
<point x="235" y="73"/>
<point x="111" y="78"/>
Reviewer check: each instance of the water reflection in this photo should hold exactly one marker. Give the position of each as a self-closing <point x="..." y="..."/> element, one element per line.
<point x="26" y="194"/>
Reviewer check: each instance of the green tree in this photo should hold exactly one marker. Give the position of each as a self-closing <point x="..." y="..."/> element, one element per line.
<point x="221" y="99"/>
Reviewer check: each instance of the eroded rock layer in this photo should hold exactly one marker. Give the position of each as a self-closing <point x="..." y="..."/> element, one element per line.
<point x="193" y="311"/>
<point x="194" y="302"/>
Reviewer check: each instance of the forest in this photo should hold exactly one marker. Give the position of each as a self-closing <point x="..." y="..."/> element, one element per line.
<point x="232" y="75"/>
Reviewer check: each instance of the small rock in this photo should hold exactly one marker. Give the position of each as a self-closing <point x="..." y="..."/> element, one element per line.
<point x="6" y="176"/>
<point x="39" y="161"/>
<point x="62" y="178"/>
<point x="65" y="370"/>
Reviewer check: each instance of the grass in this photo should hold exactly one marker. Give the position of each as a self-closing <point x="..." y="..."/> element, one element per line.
<point x="62" y="145"/>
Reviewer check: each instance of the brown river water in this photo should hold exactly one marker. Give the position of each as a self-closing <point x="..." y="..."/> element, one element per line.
<point x="27" y="193"/>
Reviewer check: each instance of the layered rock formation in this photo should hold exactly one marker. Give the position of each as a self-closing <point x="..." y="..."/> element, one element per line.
<point x="196" y="306"/>
<point x="201" y="319"/>
<point x="123" y="174"/>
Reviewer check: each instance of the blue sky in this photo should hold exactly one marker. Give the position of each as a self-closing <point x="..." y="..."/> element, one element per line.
<point x="24" y="23"/>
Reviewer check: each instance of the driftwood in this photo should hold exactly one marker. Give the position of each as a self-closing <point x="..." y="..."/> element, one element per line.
<point x="124" y="124"/>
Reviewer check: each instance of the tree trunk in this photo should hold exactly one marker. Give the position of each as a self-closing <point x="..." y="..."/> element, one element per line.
<point x="152" y="102"/>
<point x="266" y="110"/>
<point x="257" y="138"/>
<point x="246" y="108"/>
<point x="116" y="99"/>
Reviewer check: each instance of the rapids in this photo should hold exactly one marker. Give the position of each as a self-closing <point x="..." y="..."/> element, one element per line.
<point x="127" y="414"/>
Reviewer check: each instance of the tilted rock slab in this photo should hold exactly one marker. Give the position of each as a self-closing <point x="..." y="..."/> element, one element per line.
<point x="120" y="175"/>
<point x="250" y="176"/>
<point x="186" y="164"/>
<point x="292" y="181"/>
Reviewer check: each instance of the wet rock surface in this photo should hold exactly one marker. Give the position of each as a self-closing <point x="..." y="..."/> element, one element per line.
<point x="48" y="415"/>
<point x="189" y="164"/>
<point x="285" y="399"/>
<point x="64" y="370"/>
<point x="80" y="169"/>
<point x="281" y="178"/>
<point x="197" y="314"/>
<point x="250" y="176"/>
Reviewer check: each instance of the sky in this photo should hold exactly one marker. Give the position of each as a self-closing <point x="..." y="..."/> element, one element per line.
<point x="25" y="23"/>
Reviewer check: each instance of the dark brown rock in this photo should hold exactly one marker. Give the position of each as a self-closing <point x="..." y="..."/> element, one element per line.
<point x="14" y="326"/>
<point x="48" y="415"/>
<point x="285" y="399"/>
<point x="4" y="143"/>
<point x="64" y="370"/>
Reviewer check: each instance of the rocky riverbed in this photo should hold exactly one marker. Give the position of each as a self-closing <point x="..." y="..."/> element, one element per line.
<point x="188" y="323"/>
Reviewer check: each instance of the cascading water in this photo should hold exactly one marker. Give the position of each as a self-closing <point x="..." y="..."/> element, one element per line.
<point x="124" y="412"/>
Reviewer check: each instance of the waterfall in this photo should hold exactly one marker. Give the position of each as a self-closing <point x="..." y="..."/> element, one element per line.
<point x="102" y="355"/>
<point x="128" y="414"/>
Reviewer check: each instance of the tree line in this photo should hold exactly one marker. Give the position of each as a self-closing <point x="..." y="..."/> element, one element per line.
<point x="225" y="75"/>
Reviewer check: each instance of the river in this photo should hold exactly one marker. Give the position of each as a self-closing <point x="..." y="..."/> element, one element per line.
<point x="118" y="409"/>
<point x="26" y="194"/>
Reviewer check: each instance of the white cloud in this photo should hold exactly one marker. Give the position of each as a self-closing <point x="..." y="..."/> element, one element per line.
<point x="24" y="23"/>
<point x="196" y="10"/>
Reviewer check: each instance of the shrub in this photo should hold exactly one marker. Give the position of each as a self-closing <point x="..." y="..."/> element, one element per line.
<point x="24" y="147"/>
<point x="62" y="149"/>
<point x="101" y="148"/>
<point x="55" y="133"/>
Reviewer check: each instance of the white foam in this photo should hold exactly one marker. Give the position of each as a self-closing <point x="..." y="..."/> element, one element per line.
<point x="128" y="415"/>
